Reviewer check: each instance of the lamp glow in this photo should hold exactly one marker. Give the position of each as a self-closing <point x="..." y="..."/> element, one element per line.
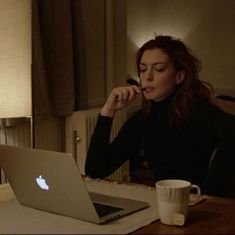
<point x="15" y="59"/>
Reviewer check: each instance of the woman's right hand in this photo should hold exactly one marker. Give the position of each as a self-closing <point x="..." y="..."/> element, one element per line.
<point x="119" y="98"/>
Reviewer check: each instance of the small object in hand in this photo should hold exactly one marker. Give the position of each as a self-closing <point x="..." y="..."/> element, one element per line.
<point x="132" y="81"/>
<point x="143" y="88"/>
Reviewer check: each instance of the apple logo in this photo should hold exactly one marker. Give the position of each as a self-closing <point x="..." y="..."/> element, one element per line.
<point x="42" y="183"/>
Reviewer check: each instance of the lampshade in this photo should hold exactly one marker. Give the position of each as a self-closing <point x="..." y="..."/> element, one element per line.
<point x="15" y="58"/>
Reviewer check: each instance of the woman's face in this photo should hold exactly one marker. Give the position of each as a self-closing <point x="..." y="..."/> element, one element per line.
<point x="158" y="75"/>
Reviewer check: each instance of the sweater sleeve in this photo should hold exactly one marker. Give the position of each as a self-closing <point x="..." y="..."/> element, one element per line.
<point x="103" y="156"/>
<point x="221" y="175"/>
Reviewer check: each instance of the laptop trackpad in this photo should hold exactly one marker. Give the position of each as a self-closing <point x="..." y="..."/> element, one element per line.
<point x="106" y="199"/>
<point x="124" y="203"/>
<point x="103" y="210"/>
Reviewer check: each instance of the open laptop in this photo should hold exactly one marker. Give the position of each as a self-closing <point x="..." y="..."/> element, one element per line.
<point x="51" y="181"/>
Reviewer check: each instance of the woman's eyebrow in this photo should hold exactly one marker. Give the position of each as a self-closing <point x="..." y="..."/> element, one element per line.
<point x="156" y="63"/>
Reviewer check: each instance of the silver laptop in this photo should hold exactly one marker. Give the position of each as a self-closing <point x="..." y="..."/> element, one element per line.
<point x="51" y="181"/>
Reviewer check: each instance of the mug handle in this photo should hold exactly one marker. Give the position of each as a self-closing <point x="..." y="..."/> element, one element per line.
<point x="195" y="197"/>
<point x="197" y="189"/>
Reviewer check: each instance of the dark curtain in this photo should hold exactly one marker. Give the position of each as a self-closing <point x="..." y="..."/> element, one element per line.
<point x="58" y="58"/>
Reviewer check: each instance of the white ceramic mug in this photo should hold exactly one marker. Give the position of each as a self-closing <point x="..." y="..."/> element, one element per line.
<point x="173" y="200"/>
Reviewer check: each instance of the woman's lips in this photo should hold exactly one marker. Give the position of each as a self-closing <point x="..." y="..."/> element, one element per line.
<point x="147" y="88"/>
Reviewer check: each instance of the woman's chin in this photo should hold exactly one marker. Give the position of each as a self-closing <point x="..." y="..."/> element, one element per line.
<point x="153" y="97"/>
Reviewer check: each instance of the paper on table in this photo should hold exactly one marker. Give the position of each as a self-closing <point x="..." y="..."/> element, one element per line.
<point x="15" y="218"/>
<point x="194" y="199"/>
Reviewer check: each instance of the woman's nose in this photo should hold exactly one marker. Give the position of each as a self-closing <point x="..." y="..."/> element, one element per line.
<point x="148" y="75"/>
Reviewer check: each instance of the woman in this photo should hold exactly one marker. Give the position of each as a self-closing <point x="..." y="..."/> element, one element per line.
<point x="178" y="127"/>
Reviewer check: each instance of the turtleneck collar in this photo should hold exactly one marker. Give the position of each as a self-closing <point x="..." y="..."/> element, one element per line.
<point x="163" y="104"/>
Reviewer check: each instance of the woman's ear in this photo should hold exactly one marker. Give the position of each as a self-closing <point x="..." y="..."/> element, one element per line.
<point x="180" y="76"/>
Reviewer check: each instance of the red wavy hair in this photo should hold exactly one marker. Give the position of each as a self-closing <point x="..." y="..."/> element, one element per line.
<point x="191" y="90"/>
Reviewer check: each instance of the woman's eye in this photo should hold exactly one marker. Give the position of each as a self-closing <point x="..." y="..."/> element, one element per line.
<point x="159" y="69"/>
<point x="142" y="70"/>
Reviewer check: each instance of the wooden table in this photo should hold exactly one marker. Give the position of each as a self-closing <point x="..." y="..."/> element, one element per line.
<point x="211" y="216"/>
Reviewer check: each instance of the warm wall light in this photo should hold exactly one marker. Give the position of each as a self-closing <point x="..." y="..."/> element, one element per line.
<point x="15" y="58"/>
<point x="15" y="95"/>
<point x="15" y="64"/>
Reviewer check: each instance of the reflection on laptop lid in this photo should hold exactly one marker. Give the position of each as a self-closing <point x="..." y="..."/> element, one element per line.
<point x="51" y="181"/>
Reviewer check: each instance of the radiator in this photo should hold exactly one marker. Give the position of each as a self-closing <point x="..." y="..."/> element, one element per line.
<point x="18" y="135"/>
<point x="79" y="129"/>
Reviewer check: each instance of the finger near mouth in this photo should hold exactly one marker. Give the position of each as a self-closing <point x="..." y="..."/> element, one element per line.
<point x="143" y="88"/>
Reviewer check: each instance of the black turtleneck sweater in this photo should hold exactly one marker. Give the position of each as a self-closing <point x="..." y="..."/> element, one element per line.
<point x="182" y="152"/>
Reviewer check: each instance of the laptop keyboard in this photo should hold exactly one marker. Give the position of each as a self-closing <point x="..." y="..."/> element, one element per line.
<point x="103" y="210"/>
